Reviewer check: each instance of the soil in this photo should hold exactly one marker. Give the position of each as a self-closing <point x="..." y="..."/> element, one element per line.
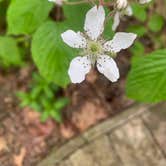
<point x="26" y="140"/>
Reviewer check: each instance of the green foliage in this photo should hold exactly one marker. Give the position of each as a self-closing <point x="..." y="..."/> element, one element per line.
<point x="50" y="54"/>
<point x="42" y="98"/>
<point x="140" y="30"/>
<point x="25" y="16"/>
<point x="139" y="11"/>
<point x="75" y="16"/>
<point x="156" y="23"/>
<point x="9" y="52"/>
<point x="137" y="49"/>
<point x="147" y="78"/>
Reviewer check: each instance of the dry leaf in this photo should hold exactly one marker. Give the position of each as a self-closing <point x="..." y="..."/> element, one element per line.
<point x="88" y="115"/>
<point x="67" y="130"/>
<point x="3" y="144"/>
<point x="18" y="159"/>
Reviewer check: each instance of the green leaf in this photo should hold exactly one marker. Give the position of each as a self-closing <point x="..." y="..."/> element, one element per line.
<point x="57" y="115"/>
<point x="140" y="30"/>
<point x="60" y="103"/>
<point x="139" y="12"/>
<point x="137" y="49"/>
<point x="25" y="16"/>
<point x="156" y="23"/>
<point x="147" y="79"/>
<point x="9" y="52"/>
<point x="44" y="116"/>
<point x="75" y="16"/>
<point x="50" y="54"/>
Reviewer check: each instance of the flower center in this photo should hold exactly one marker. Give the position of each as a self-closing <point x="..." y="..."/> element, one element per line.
<point x="94" y="47"/>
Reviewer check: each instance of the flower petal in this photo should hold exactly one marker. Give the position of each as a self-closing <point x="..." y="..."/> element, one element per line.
<point x="78" y="69"/>
<point x="120" y="41"/>
<point x="128" y="11"/>
<point x="107" y="66"/>
<point x="116" y="21"/>
<point x="94" y="22"/>
<point x="73" y="39"/>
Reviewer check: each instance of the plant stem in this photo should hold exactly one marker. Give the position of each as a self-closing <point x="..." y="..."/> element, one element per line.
<point x="76" y="3"/>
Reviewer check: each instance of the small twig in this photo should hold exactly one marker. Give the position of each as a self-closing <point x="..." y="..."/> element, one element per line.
<point x="101" y="2"/>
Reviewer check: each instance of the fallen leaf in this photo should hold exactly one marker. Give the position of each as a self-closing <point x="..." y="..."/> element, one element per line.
<point x="18" y="159"/>
<point x="88" y="115"/>
<point x="3" y="144"/>
<point x="66" y="130"/>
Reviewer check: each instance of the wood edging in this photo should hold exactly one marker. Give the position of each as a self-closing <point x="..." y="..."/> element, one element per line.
<point x="57" y="155"/>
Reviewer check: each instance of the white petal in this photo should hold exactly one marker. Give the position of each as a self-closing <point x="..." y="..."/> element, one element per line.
<point x="78" y="69"/>
<point x="120" y="41"/>
<point x="94" y="22"/>
<point x="107" y="66"/>
<point x="116" y="21"/>
<point x="73" y="39"/>
<point x="144" y="1"/>
<point x="128" y="11"/>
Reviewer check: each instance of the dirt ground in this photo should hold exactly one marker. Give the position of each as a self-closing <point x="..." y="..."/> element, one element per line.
<point x="24" y="140"/>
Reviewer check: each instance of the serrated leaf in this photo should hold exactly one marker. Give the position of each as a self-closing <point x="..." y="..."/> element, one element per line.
<point x="147" y="79"/>
<point x="25" y="16"/>
<point x="9" y="52"/>
<point x="50" y="54"/>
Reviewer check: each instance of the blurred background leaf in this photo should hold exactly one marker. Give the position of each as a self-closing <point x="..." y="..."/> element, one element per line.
<point x="156" y="23"/>
<point x="42" y="97"/>
<point x="9" y="52"/>
<point x="25" y="16"/>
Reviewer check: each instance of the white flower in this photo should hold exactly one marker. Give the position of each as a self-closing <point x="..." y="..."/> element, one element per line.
<point x="58" y="2"/>
<point x="121" y="4"/>
<point x="123" y="8"/>
<point x="95" y="50"/>
<point x="144" y="1"/>
<point x="119" y="14"/>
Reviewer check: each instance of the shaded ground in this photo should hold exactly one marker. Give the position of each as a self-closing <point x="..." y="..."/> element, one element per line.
<point x="28" y="140"/>
<point x="133" y="138"/>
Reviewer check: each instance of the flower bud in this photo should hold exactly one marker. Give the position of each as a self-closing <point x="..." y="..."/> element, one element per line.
<point x="144" y="1"/>
<point x="121" y="4"/>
